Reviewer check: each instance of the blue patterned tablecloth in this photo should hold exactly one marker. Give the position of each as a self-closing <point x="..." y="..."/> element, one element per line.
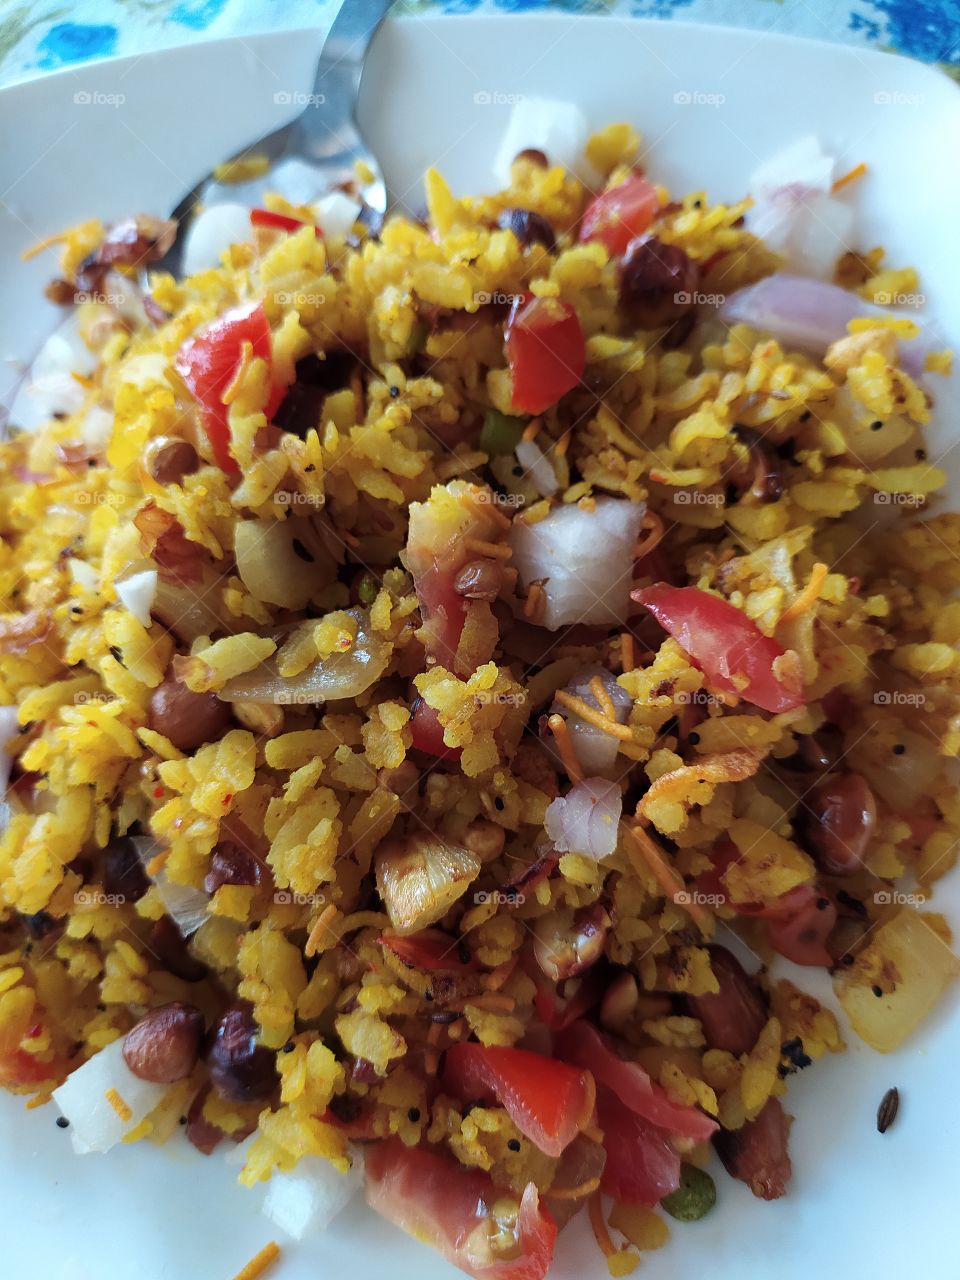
<point x="43" y="35"/>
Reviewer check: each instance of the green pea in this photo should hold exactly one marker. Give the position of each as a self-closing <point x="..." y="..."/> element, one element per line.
<point x="368" y="589"/>
<point x="695" y="1196"/>
<point x="500" y="435"/>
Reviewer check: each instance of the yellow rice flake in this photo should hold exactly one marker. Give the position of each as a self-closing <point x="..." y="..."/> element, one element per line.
<point x="760" y="1069"/>
<point x="643" y="1227"/>
<point x="768" y="866"/>
<point x="614" y="144"/>
<point x="224" y="659"/>
<point x="273" y="978"/>
<point x="335" y="633"/>
<point x="368" y="1036"/>
<point x="304" y="842"/>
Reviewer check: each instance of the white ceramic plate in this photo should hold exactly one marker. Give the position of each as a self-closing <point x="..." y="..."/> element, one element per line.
<point x="133" y="134"/>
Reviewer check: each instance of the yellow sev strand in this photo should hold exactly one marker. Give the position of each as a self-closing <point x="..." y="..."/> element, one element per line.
<point x="809" y="595"/>
<point x="532" y="429"/>
<point x="323" y="922"/>
<point x="232" y="388"/>
<point x="258" y="1265"/>
<point x="852" y="175"/>
<point x="599" y="691"/>
<point x="119" y="1106"/>
<point x="533" y="606"/>
<point x="46" y="243"/>
<point x="654" y="536"/>
<point x="594" y="717"/>
<point x="562" y="445"/>
<point x="498" y="550"/>
<point x="574" y="1193"/>
<point x="561" y="736"/>
<point x="628" y="659"/>
<point x="669" y="881"/>
<point x="598" y="1223"/>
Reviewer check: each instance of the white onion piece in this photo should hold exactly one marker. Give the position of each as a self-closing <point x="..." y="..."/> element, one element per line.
<point x="586" y="558"/>
<point x="808" y="315"/>
<point x="538" y="466"/>
<point x="186" y="906"/>
<point x="309" y="1197"/>
<point x="137" y="593"/>
<point x="82" y="574"/>
<point x="336" y="213"/>
<point x="211" y="233"/>
<point x="586" y="819"/>
<point x="596" y="751"/>
<point x="272" y="563"/>
<point x="97" y="427"/>
<point x="558" y="129"/>
<point x="803" y="162"/>
<point x="9" y="731"/>
<point x="94" y="1124"/>
<point x="50" y="386"/>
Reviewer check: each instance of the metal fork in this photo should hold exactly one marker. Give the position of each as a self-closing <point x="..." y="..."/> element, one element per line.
<point x="318" y="150"/>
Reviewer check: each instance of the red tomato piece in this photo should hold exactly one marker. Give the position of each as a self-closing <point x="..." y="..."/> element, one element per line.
<point x="545" y="350"/>
<point x="278" y="221"/>
<point x="727" y="646"/>
<point x="548" y="1101"/>
<point x="583" y="1045"/>
<point x="616" y="216"/>
<point x="428" y="949"/>
<point x="641" y="1166"/>
<point x="801" y="928"/>
<point x="208" y="361"/>
<point x="428" y="732"/>
<point x="448" y="1207"/>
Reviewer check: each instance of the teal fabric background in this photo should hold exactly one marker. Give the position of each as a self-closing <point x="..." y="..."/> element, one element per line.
<point x="44" y="35"/>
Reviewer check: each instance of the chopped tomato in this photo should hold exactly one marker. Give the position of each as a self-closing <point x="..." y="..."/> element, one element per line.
<point x="557" y="1011"/>
<point x="545" y="350"/>
<point x="428" y="949"/>
<point x="451" y="1208"/>
<point x="801" y="929"/>
<point x="278" y="221"/>
<point x="548" y="1101"/>
<point x="208" y="361"/>
<point x="727" y="646"/>
<point x="583" y="1045"/>
<point x="641" y="1166"/>
<point x="616" y="216"/>
<point x="428" y="732"/>
<point x="20" y="1069"/>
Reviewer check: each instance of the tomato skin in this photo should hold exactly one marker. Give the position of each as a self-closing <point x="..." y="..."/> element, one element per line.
<point x="428" y="949"/>
<point x="428" y="732"/>
<point x="548" y="1101"/>
<point x="442" y="1204"/>
<point x="620" y="214"/>
<point x="546" y="352"/>
<point x="582" y="1044"/>
<point x="208" y="361"/>
<point x="278" y="221"/>
<point x="723" y="642"/>
<point x="641" y="1166"/>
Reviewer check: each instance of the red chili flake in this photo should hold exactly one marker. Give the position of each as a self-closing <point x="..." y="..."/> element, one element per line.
<point x="157" y="792"/>
<point x="227" y="798"/>
<point x="34" y="1031"/>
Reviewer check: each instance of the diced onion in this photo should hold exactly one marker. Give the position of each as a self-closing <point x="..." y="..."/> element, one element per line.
<point x="586" y="820"/>
<point x="803" y="162"/>
<point x="9" y="729"/>
<point x="95" y="1125"/>
<point x="419" y="877"/>
<point x="596" y="751"/>
<point x="211" y="232"/>
<point x="185" y="905"/>
<point x="808" y="315"/>
<point x="137" y="593"/>
<point x="50" y="387"/>
<point x="336" y="213"/>
<point x="97" y="427"/>
<point x="82" y="574"/>
<point x="558" y="129"/>
<point x="309" y="1197"/>
<point x="341" y="675"/>
<point x="283" y="563"/>
<point x="585" y="557"/>
<point x="540" y="468"/>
